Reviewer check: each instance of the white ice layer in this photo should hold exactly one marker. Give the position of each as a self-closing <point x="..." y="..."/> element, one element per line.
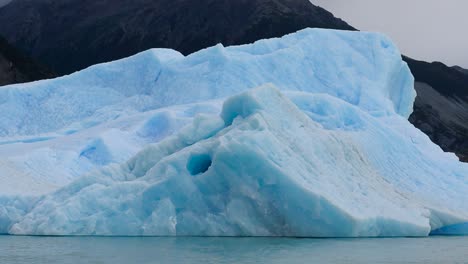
<point x="330" y="155"/>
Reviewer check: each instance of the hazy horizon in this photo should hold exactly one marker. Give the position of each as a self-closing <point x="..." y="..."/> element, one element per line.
<point x="429" y="30"/>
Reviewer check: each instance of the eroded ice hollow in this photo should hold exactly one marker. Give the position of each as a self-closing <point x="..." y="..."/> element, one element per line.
<point x="327" y="153"/>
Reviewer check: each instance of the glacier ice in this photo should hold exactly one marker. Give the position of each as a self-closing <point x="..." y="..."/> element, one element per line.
<point x="262" y="168"/>
<point x="45" y="125"/>
<point x="363" y="69"/>
<point x="150" y="145"/>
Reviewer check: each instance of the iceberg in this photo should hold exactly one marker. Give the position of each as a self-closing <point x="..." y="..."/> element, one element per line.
<point x="305" y="135"/>
<point x="50" y="130"/>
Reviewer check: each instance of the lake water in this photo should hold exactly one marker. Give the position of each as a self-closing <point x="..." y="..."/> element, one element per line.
<point x="105" y="250"/>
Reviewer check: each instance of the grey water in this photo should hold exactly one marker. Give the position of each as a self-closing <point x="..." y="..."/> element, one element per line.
<point x="122" y="250"/>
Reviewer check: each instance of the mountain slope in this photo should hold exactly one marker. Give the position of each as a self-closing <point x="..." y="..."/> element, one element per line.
<point x="69" y="35"/>
<point x="4" y="2"/>
<point x="464" y="71"/>
<point x="17" y="68"/>
<point x="441" y="108"/>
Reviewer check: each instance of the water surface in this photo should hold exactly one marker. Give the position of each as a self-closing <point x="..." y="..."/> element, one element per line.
<point x="121" y="250"/>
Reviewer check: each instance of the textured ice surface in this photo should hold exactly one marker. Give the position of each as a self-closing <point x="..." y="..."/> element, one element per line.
<point x="265" y="168"/>
<point x="364" y="69"/>
<point x="149" y="146"/>
<point x="47" y="128"/>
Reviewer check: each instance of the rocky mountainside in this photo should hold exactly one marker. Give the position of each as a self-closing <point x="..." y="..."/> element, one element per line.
<point x="17" y="68"/>
<point x="465" y="71"/>
<point x="4" y="2"/>
<point x="69" y="35"/>
<point x="441" y="108"/>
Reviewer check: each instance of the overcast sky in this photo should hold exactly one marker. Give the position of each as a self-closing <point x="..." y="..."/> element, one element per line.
<point x="423" y="29"/>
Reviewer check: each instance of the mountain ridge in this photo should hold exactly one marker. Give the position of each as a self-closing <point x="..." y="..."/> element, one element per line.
<point x="113" y="32"/>
<point x="463" y="70"/>
<point x="17" y="68"/>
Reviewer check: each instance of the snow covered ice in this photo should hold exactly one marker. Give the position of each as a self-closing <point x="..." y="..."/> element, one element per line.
<point x="162" y="144"/>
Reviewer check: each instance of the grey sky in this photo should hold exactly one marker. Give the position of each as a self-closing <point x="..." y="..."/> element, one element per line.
<point x="423" y="29"/>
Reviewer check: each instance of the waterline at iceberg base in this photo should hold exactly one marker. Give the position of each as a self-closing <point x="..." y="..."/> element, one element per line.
<point x="324" y="150"/>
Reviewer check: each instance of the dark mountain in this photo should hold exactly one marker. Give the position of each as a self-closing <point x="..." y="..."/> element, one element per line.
<point x="69" y="35"/>
<point x="17" y="68"/>
<point x="438" y="75"/>
<point x="4" y="2"/>
<point x="458" y="68"/>
<point x="441" y="108"/>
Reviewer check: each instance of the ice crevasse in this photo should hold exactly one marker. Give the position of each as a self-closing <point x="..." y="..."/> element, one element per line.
<point x="323" y="150"/>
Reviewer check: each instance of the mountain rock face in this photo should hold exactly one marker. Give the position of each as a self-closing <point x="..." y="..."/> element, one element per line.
<point x="465" y="71"/>
<point x="441" y="108"/>
<point x="17" y="68"/>
<point x="4" y="2"/>
<point x="69" y="35"/>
